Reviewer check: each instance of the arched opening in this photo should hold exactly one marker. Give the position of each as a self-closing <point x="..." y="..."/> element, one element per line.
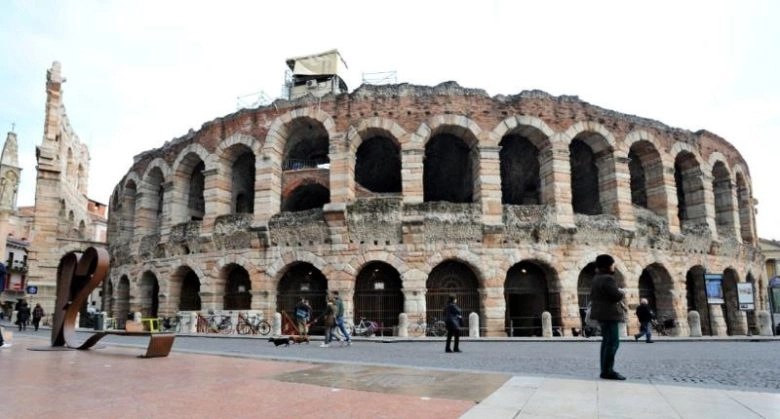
<point x="655" y="284"/>
<point x="378" y="295"/>
<point x="238" y="288"/>
<point x="378" y="165"/>
<point x="745" y="210"/>
<point x="122" y="301"/>
<point x="452" y="278"/>
<point x="307" y="196"/>
<point x="302" y="279"/>
<point x="196" y="203"/>
<point x="149" y="290"/>
<point x="520" y="181"/>
<point x="128" y="210"/>
<point x="731" y="313"/>
<point x="307" y="145"/>
<point x="647" y="183"/>
<point x="527" y="296"/>
<point x="724" y="204"/>
<point x="111" y="300"/>
<point x="696" y="297"/>
<point x="448" y="171"/>
<point x="690" y="191"/>
<point x="189" y="296"/>
<point x="82" y="230"/>
<point x="243" y="184"/>
<point x="584" y="179"/>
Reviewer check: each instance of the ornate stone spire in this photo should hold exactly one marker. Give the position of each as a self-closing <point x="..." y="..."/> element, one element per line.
<point x="9" y="174"/>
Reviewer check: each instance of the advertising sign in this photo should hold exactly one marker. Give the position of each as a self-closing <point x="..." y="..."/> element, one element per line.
<point x="745" y="296"/>
<point x="714" y="288"/>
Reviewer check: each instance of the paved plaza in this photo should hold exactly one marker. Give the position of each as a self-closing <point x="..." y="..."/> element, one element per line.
<point x="238" y="377"/>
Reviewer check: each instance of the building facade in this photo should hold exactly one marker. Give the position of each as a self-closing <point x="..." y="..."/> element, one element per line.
<point x="63" y="219"/>
<point x="399" y="195"/>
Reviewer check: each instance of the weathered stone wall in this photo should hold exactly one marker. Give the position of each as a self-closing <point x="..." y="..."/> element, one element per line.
<point x="414" y="236"/>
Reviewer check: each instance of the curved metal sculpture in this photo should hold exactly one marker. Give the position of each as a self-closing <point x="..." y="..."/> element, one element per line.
<point x="78" y="274"/>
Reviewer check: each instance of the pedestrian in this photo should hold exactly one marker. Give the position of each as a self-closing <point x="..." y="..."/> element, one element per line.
<point x="453" y="319"/>
<point x="606" y="307"/>
<point x="3" y="343"/>
<point x="340" y="318"/>
<point x="37" y="315"/>
<point x="23" y="316"/>
<point x="302" y="315"/>
<point x="645" y="315"/>
<point x="329" y="319"/>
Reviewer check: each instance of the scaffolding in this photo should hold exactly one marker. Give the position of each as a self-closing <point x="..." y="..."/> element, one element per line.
<point x="382" y="77"/>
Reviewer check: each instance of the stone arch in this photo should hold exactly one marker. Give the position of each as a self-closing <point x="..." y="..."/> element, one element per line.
<point x="151" y="211"/>
<point x="361" y="259"/>
<point x="468" y="258"/>
<point x="237" y="288"/>
<point x="128" y="214"/>
<point x="696" y="297"/>
<point x="592" y="165"/>
<point x="527" y="292"/>
<point x="189" y="181"/>
<point x="378" y="294"/>
<point x="451" y="159"/>
<point x="149" y="294"/>
<point x="744" y="206"/>
<point x="305" y="194"/>
<point x="689" y="182"/>
<point x="646" y="170"/>
<point x="122" y="301"/>
<point x="276" y="270"/>
<point x="452" y="277"/>
<point x="723" y="193"/>
<point x="187" y="285"/>
<point x="522" y="155"/>
<point x="301" y="280"/>
<point x="655" y="283"/>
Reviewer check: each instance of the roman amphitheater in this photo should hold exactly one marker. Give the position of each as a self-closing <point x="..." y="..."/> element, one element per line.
<point x="399" y="195"/>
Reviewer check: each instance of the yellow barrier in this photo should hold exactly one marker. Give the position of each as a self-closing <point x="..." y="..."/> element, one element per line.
<point x="151" y="324"/>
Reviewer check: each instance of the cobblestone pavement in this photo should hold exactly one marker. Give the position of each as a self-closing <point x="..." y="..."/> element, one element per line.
<point x="723" y="364"/>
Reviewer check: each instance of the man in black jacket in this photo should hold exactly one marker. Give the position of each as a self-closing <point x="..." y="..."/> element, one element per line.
<point x="606" y="307"/>
<point x="645" y="315"/>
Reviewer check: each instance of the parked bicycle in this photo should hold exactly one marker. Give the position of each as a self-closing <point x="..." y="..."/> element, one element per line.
<point x="252" y="323"/>
<point x="366" y="328"/>
<point x="420" y="328"/>
<point x="215" y="323"/>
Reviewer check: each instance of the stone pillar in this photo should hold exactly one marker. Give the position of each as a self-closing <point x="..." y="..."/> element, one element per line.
<point x="546" y="324"/>
<point x="473" y="325"/>
<point x="171" y="206"/>
<point x="336" y="217"/>
<point x="764" y="323"/>
<point x="276" y="326"/>
<point x="694" y="324"/>
<point x="403" y="326"/>
<point x="341" y="189"/>
<point x="615" y="189"/>
<point x="412" y="175"/>
<point x="414" y="303"/>
<point x="268" y="187"/>
<point x="707" y="209"/>
<point x="490" y="185"/>
<point x="555" y="177"/>
<point x="216" y="193"/>
<point x="718" y="323"/>
<point x="622" y="329"/>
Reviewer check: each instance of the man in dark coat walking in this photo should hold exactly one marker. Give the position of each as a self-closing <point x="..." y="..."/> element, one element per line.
<point x="452" y="319"/>
<point x="606" y="307"/>
<point x="645" y="316"/>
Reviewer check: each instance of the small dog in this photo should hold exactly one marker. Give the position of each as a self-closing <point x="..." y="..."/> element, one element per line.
<point x="299" y="339"/>
<point x="285" y="340"/>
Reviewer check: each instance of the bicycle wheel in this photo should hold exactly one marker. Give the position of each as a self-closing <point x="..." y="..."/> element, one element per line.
<point x="416" y="329"/>
<point x="243" y="328"/>
<point x="439" y="329"/>
<point x="264" y="328"/>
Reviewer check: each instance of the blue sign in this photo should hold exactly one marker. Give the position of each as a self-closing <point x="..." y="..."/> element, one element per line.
<point x="713" y="287"/>
<point x="32" y="289"/>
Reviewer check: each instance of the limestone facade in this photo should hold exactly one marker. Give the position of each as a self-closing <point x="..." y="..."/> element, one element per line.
<point x="64" y="218"/>
<point x="400" y="195"/>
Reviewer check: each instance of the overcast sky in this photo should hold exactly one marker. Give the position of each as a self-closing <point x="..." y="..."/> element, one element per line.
<point x="140" y="73"/>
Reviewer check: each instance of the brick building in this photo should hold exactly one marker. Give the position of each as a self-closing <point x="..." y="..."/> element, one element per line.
<point x="398" y="195"/>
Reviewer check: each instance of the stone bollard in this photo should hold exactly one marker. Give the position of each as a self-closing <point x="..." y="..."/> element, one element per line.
<point x="193" y="326"/>
<point x="137" y="316"/>
<point x="764" y="323"/>
<point x="546" y="324"/>
<point x="277" y="324"/>
<point x="694" y="323"/>
<point x="473" y="325"/>
<point x="403" y="325"/>
<point x="622" y="329"/>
